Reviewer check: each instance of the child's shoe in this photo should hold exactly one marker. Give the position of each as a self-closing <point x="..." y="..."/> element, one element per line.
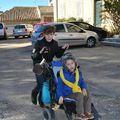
<point x="81" y="117"/>
<point x="89" y="115"/>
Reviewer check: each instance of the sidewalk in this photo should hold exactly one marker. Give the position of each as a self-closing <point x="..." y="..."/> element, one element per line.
<point x="115" y="42"/>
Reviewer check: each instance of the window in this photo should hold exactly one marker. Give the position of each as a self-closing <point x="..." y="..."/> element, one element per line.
<point x="83" y="25"/>
<point x="60" y="28"/>
<point x="29" y="26"/>
<point x="19" y="26"/>
<point x="72" y="28"/>
<point x="1" y="26"/>
<point x="50" y="0"/>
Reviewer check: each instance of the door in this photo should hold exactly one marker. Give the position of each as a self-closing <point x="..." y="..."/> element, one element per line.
<point x="98" y="12"/>
<point x="77" y="36"/>
<point x="61" y="35"/>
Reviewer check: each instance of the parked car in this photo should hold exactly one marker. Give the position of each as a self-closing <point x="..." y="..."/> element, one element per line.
<point x="3" y="33"/>
<point x="100" y="31"/>
<point x="68" y="33"/>
<point x="9" y="30"/>
<point x="37" y="32"/>
<point x="22" y="30"/>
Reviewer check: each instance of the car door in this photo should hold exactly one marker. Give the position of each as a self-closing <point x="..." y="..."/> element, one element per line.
<point x="77" y="36"/>
<point x="60" y="35"/>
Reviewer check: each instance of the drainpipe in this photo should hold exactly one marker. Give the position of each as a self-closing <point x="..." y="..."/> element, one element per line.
<point x="38" y="11"/>
<point x="57" y="10"/>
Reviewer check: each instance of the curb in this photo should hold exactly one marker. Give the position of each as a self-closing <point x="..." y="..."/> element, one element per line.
<point x="115" y="42"/>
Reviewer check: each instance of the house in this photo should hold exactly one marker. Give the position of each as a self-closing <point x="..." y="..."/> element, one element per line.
<point x="88" y="10"/>
<point x="31" y="15"/>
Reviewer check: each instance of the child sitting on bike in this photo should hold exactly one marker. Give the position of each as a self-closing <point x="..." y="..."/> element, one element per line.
<point x="71" y="84"/>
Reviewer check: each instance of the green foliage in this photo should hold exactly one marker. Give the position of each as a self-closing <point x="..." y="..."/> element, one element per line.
<point x="62" y="20"/>
<point x="113" y="8"/>
<point x="80" y="20"/>
<point x="71" y="19"/>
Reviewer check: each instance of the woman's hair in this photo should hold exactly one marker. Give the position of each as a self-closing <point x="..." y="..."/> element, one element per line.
<point x="49" y="29"/>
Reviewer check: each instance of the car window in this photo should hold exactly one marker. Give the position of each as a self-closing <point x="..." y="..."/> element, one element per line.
<point x="60" y="28"/>
<point x="72" y="28"/>
<point x="1" y="26"/>
<point x="29" y="26"/>
<point x="19" y="26"/>
<point x="83" y="25"/>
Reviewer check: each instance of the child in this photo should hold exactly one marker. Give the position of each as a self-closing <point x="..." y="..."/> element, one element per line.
<point x="72" y="85"/>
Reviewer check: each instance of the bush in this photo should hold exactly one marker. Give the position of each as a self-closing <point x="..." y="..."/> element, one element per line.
<point x="80" y="20"/>
<point x="71" y="19"/>
<point x="62" y="20"/>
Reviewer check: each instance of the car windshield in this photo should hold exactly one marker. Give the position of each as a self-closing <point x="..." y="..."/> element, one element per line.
<point x="19" y="26"/>
<point x="38" y="28"/>
<point x="1" y="26"/>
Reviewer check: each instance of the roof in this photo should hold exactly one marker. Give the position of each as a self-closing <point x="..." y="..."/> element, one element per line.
<point x="24" y="13"/>
<point x="46" y="9"/>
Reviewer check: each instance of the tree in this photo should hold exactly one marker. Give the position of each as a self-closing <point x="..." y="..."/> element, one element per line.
<point x="112" y="7"/>
<point x="71" y="19"/>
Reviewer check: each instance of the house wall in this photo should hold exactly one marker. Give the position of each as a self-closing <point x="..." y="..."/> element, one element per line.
<point x="78" y="9"/>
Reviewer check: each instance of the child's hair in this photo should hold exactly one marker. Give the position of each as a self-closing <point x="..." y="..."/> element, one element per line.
<point x="67" y="56"/>
<point x="49" y="29"/>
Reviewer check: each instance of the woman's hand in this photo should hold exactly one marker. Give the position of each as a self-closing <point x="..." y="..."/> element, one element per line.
<point x="60" y="100"/>
<point x="84" y="91"/>
<point x="44" y="50"/>
<point x="66" y="46"/>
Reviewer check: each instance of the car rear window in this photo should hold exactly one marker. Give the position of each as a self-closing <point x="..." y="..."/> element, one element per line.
<point x="19" y="26"/>
<point x="1" y="26"/>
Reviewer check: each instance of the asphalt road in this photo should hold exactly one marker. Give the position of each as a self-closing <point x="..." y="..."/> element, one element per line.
<point x="101" y="66"/>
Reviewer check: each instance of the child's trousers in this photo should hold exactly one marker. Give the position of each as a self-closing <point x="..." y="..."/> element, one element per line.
<point x="83" y="103"/>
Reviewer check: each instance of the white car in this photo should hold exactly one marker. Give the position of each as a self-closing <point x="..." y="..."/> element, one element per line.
<point x="3" y="31"/>
<point x="69" y="33"/>
<point x="22" y="30"/>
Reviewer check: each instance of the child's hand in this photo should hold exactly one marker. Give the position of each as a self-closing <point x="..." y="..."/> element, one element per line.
<point x="60" y="100"/>
<point x="84" y="91"/>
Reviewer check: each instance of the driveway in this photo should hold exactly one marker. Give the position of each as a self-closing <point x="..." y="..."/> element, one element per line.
<point x="101" y="66"/>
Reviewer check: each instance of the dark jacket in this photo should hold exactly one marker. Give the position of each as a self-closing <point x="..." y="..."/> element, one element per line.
<point x="53" y="50"/>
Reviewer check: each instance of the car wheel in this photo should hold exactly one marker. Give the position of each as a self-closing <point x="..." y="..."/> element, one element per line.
<point x="16" y="37"/>
<point x="5" y="36"/>
<point x="30" y="35"/>
<point x="91" y="42"/>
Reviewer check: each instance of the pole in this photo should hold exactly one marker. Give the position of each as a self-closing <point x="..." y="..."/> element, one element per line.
<point x="57" y="10"/>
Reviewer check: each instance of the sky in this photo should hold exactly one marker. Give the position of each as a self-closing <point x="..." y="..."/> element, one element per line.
<point x="8" y="4"/>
